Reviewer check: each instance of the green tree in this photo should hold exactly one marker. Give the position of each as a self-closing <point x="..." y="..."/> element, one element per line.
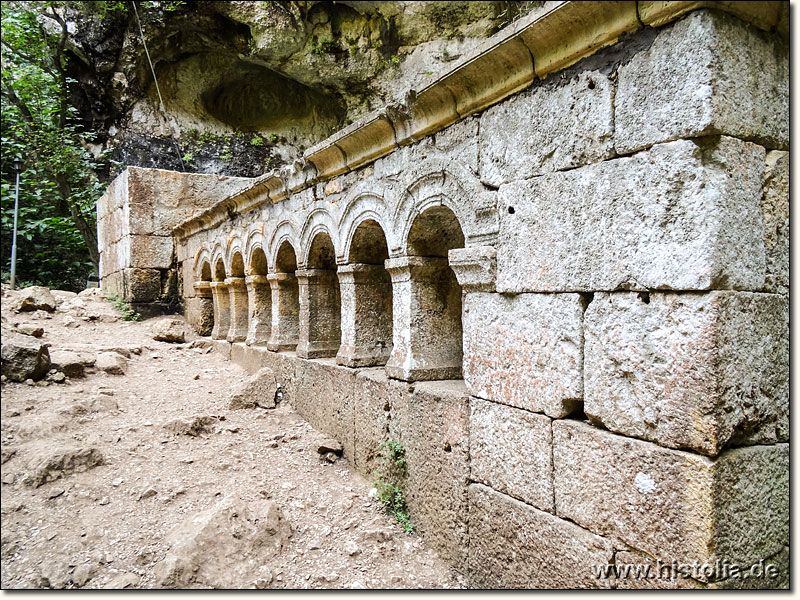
<point x="58" y="236"/>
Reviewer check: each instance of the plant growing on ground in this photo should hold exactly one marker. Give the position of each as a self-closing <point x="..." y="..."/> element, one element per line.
<point x="391" y="473"/>
<point x="125" y="310"/>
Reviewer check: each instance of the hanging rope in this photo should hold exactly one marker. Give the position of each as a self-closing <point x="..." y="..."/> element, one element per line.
<point x="175" y="132"/>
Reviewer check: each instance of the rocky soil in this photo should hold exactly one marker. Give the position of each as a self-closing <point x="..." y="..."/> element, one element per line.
<point x="124" y="467"/>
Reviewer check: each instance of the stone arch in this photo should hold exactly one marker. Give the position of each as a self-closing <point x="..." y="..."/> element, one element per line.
<point x="285" y="291"/>
<point x="319" y="220"/>
<point x="442" y="183"/>
<point x="285" y="231"/>
<point x="363" y="207"/>
<point x="201" y="259"/>
<point x="234" y="245"/>
<point x="253" y="242"/>
<point x="217" y="258"/>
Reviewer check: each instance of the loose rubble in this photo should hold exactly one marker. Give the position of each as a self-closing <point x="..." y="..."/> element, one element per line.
<point x="133" y="480"/>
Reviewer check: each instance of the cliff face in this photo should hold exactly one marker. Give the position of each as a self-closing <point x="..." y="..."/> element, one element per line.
<point x="248" y="85"/>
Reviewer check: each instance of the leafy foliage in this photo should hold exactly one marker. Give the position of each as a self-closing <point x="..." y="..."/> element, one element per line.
<point x="125" y="310"/>
<point x="388" y="480"/>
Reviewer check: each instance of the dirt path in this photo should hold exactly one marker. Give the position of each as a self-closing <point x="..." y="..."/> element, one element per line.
<point x="113" y="523"/>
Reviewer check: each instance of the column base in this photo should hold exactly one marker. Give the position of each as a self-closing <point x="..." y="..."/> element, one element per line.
<point x="317" y="349"/>
<point x="236" y="336"/>
<point x="362" y="357"/>
<point x="429" y="374"/>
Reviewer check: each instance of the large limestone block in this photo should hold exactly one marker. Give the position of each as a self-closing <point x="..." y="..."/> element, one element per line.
<point x="142" y="285"/>
<point x="513" y="545"/>
<point x="775" y="205"/>
<point x="552" y="127"/>
<point x="708" y="74"/>
<point x="670" y="504"/>
<point x="372" y="406"/>
<point x="511" y="451"/>
<point x="696" y="371"/>
<point x="525" y="350"/>
<point x="323" y="394"/>
<point x="436" y="442"/>
<point x="151" y="251"/>
<point x="683" y="215"/>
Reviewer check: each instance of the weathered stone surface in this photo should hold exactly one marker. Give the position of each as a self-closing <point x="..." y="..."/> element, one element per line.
<point x="436" y="442"/>
<point x="192" y="426"/>
<point x="169" y="330"/>
<point x="142" y="285"/>
<point x="372" y="406"/>
<point x="111" y="363"/>
<point x="671" y="504"/>
<point x="775" y="205"/>
<point x="30" y="329"/>
<point x="639" y="571"/>
<point x="216" y="547"/>
<point x="683" y="215"/>
<point x="767" y="574"/>
<point x="694" y="371"/>
<point x="52" y="464"/>
<point x="258" y="391"/>
<point x="200" y="314"/>
<point x="552" y="127"/>
<point x="24" y="357"/>
<point x="525" y="350"/>
<point x="72" y="364"/>
<point x="511" y="452"/>
<point x="150" y="252"/>
<point x="323" y="395"/>
<point x="475" y="267"/>
<point x="513" y="545"/>
<point x="708" y="74"/>
<point x="36" y="298"/>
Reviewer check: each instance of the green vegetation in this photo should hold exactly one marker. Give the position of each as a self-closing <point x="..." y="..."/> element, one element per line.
<point x="387" y="483"/>
<point x="322" y="46"/>
<point x="59" y="187"/>
<point x="257" y="141"/>
<point x="125" y="310"/>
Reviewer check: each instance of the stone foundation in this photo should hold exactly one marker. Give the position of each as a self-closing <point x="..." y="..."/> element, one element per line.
<point x="558" y="276"/>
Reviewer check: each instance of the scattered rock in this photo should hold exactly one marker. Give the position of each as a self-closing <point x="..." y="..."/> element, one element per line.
<point x="93" y="293"/>
<point x="56" y="377"/>
<point x="259" y="390"/>
<point x="62" y="295"/>
<point x="192" y="426"/>
<point x="169" y="330"/>
<point x="51" y="464"/>
<point x="112" y="363"/>
<point x="36" y="298"/>
<point x="82" y="574"/>
<point x="213" y="548"/>
<point x="55" y="493"/>
<point x="201" y="343"/>
<point x="146" y="493"/>
<point x="6" y="453"/>
<point x="33" y="330"/>
<point x="24" y="357"/>
<point x="122" y="581"/>
<point x="329" y="445"/>
<point x="351" y="548"/>
<point x="104" y="500"/>
<point x="117" y="482"/>
<point x="71" y="322"/>
<point x="72" y="364"/>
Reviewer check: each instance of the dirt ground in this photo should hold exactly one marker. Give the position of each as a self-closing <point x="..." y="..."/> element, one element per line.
<point x="126" y="491"/>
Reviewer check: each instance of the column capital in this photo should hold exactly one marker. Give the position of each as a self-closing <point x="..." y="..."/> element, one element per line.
<point x="475" y="267"/>
<point x="400" y="268"/>
<point x="280" y="277"/>
<point x="235" y="282"/>
<point x="256" y="280"/>
<point x="218" y="285"/>
<point x="202" y="289"/>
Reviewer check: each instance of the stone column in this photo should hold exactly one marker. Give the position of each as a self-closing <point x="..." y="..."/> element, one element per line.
<point x="427" y="320"/>
<point x="366" y="293"/>
<point x="237" y="290"/>
<point x="201" y="315"/>
<point x="320" y="321"/>
<point x="285" y="309"/>
<point x="222" y="310"/>
<point x="259" y="310"/>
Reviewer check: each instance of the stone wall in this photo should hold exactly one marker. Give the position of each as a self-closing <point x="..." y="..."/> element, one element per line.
<point x="134" y="228"/>
<point x="570" y="307"/>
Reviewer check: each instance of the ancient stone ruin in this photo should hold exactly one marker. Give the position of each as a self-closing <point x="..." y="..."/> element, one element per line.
<point x="557" y="275"/>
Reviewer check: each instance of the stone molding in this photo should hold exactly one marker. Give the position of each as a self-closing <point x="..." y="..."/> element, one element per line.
<point x="546" y="41"/>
